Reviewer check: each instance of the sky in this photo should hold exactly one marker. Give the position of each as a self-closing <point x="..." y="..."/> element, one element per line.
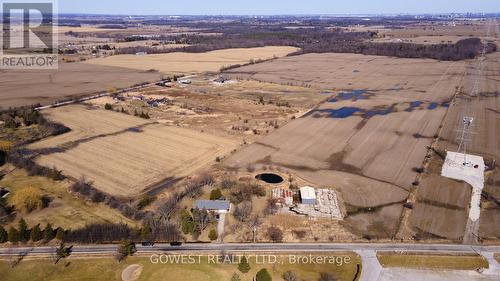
<point x="274" y="7"/>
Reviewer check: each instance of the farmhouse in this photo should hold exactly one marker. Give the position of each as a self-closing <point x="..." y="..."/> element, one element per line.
<point x="218" y="206"/>
<point x="283" y="196"/>
<point x="308" y="195"/>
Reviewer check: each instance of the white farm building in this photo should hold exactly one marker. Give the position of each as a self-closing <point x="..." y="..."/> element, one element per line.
<point x="308" y="195"/>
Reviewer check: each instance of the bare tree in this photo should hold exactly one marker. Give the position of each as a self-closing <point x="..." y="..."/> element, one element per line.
<point x="327" y="277"/>
<point x="243" y="211"/>
<point x="169" y="206"/>
<point x="271" y="207"/>
<point x="290" y="276"/>
<point x="275" y="234"/>
<point x="201" y="218"/>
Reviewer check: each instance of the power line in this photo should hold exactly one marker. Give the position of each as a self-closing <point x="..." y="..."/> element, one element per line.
<point x="464" y="133"/>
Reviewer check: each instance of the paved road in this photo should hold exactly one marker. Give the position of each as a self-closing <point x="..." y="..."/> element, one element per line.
<point x="263" y="247"/>
<point x="87" y="98"/>
<point x="103" y="94"/>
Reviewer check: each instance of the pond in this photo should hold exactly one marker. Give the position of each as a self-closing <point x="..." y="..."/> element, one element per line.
<point x="269" y="178"/>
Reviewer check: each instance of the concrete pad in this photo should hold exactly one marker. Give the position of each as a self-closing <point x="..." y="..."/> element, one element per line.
<point x="469" y="169"/>
<point x="403" y="274"/>
<point x="371" y="266"/>
<point x="494" y="268"/>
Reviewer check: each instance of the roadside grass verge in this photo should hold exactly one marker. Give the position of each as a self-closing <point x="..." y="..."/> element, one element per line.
<point x="432" y="261"/>
<point x="74" y="268"/>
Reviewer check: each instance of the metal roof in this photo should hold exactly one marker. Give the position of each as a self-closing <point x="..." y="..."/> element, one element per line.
<point x="213" y="204"/>
<point x="307" y="192"/>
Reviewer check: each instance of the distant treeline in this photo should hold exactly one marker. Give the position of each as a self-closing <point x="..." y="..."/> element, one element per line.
<point x="256" y="38"/>
<point x="319" y="40"/>
<point x="464" y="49"/>
<point x="113" y="26"/>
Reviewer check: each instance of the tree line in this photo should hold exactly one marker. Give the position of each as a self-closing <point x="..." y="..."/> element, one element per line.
<point x="321" y="40"/>
<point x="91" y="234"/>
<point x="85" y="189"/>
<point x="23" y="233"/>
<point x="27" y="116"/>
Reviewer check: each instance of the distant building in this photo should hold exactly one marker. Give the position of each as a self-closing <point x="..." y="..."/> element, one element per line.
<point x="119" y="98"/>
<point x="283" y="196"/>
<point x="152" y="103"/>
<point x="221" y="80"/>
<point x="141" y="53"/>
<point x="185" y="81"/>
<point x="165" y="83"/>
<point x="308" y="195"/>
<point x="218" y="206"/>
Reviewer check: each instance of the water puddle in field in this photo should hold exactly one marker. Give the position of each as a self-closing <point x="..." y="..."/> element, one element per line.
<point x="378" y="111"/>
<point x="413" y="105"/>
<point x="353" y="96"/>
<point x="432" y="105"/>
<point x="348" y="111"/>
<point x="340" y="113"/>
<point x="135" y="130"/>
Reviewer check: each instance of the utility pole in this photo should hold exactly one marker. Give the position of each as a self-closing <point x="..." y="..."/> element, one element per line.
<point x="254" y="230"/>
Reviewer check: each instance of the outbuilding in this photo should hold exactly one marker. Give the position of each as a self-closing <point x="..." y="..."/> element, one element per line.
<point x="283" y="196"/>
<point x="308" y="195"/>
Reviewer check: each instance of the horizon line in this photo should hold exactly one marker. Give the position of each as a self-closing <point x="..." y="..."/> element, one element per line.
<point x="293" y="14"/>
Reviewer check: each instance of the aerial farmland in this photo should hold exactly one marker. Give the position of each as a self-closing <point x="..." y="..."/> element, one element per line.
<point x="150" y="120"/>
